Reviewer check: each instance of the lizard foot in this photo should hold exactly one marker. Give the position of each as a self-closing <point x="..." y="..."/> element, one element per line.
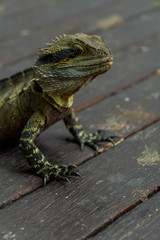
<point x="59" y="173"/>
<point x="92" y="138"/>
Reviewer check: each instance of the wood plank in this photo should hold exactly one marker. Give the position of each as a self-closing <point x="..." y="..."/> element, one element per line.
<point x="10" y="8"/>
<point x="140" y="223"/>
<point x="37" y="15"/>
<point x="39" y="36"/>
<point x="119" y="115"/>
<point x="135" y="30"/>
<point x="113" y="182"/>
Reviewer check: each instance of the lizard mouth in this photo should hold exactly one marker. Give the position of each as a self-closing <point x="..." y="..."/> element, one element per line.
<point x="99" y="67"/>
<point x="87" y="67"/>
<point x="102" y="63"/>
<point x="109" y="63"/>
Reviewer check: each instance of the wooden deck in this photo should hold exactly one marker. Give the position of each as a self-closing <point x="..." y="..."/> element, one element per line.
<point x="118" y="197"/>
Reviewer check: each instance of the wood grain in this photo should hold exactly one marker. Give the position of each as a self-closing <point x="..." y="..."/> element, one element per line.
<point x="140" y="223"/>
<point x="39" y="14"/>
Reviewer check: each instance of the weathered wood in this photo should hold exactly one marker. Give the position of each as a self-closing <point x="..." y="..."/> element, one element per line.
<point x="38" y="15"/>
<point x="113" y="182"/>
<point x="140" y="223"/>
<point x="118" y="115"/>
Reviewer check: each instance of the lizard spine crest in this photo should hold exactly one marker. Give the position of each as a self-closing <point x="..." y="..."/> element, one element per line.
<point x="15" y="78"/>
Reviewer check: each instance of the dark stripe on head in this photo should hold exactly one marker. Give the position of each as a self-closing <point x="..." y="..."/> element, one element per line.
<point x="64" y="54"/>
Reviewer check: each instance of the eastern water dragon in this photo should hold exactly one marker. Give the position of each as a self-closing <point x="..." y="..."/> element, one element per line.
<point x="34" y="99"/>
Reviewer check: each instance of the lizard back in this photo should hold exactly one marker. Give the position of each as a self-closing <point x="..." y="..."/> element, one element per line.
<point x="13" y="106"/>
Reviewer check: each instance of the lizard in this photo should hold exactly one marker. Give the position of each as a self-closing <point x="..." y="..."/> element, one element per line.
<point x="37" y="97"/>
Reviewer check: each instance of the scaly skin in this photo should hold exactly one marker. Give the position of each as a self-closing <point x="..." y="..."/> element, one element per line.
<point x="36" y="98"/>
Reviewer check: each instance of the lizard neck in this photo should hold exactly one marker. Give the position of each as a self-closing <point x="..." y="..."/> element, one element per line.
<point x="64" y="100"/>
<point x="60" y="102"/>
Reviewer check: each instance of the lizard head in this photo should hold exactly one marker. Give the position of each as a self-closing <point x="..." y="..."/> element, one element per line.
<point x="72" y="61"/>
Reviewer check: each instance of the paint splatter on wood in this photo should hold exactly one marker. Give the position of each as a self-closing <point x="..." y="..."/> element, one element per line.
<point x="149" y="157"/>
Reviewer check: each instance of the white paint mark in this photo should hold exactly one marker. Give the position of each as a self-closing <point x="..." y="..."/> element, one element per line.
<point x="127" y="99"/>
<point x="25" y="32"/>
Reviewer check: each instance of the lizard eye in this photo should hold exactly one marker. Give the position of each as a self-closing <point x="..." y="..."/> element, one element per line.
<point x="78" y="48"/>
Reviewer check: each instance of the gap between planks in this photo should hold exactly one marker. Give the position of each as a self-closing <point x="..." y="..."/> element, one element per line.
<point x="117" y="215"/>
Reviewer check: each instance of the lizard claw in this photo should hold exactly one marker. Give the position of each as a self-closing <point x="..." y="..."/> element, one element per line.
<point x="76" y="174"/>
<point x="59" y="173"/>
<point x="65" y="179"/>
<point x="81" y="145"/>
<point x="93" y="138"/>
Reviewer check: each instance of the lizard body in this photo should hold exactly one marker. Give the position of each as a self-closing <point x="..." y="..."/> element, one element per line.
<point x="36" y="98"/>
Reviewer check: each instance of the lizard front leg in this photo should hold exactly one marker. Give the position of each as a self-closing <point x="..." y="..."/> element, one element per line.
<point x="34" y="156"/>
<point x="73" y="125"/>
